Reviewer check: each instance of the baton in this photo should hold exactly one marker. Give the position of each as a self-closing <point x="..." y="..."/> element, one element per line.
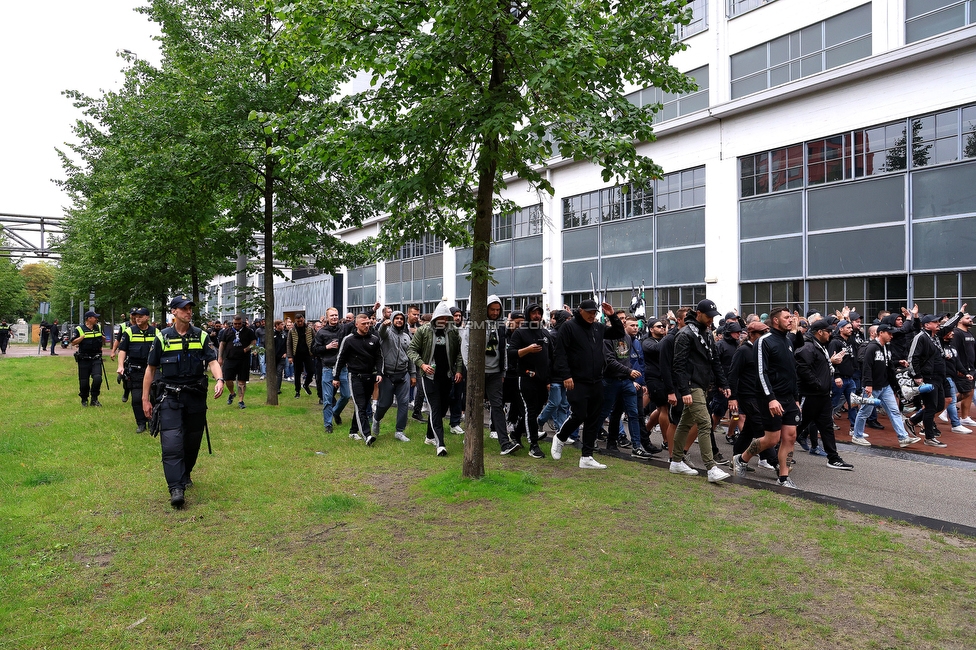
<point x="206" y="428"/>
<point x="104" y="378"/>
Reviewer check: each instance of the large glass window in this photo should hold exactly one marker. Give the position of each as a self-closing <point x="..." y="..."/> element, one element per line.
<point x="361" y="288"/>
<point x="414" y="274"/>
<point x="674" y="105"/>
<point x="739" y="7"/>
<point x="924" y="18"/>
<point x="838" y="40"/>
<point x="698" y="10"/>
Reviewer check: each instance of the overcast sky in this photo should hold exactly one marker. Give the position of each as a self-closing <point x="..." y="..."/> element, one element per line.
<point x="47" y="47"/>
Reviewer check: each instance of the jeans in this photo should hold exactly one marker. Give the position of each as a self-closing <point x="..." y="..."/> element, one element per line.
<point x="557" y="407"/>
<point x="842" y="394"/>
<point x="328" y="393"/>
<point x="951" y="410"/>
<point x="890" y="405"/>
<point x="623" y="388"/>
<point x="394" y="384"/>
<point x="262" y="364"/>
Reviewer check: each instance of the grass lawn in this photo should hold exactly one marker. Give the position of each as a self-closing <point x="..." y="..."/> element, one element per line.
<point x="296" y="539"/>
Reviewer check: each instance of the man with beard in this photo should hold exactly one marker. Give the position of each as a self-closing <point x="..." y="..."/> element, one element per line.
<point x="134" y="349"/>
<point x="965" y="345"/>
<point x="234" y="354"/>
<point x="436" y="351"/>
<point x="496" y="365"/>
<point x="580" y="358"/>
<point x="399" y="375"/>
<point x="533" y="348"/>
<point x="622" y="373"/>
<point x="300" y="353"/>
<point x="362" y="352"/>
<point x="326" y="347"/>
<point x="653" y="380"/>
<point x="926" y="364"/>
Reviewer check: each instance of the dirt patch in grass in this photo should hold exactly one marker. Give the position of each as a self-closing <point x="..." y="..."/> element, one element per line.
<point x="97" y="560"/>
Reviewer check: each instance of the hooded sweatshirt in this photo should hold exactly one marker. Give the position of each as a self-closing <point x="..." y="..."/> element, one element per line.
<point x="580" y="354"/>
<point x="395" y="341"/>
<point x="535" y="364"/>
<point x="430" y="342"/>
<point x="495" y="342"/>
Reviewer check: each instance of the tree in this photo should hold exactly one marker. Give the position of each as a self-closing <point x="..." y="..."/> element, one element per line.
<point x="38" y="280"/>
<point x="467" y="92"/>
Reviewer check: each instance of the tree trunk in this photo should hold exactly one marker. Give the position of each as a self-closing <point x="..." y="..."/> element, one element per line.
<point x="270" y="360"/>
<point x="487" y="165"/>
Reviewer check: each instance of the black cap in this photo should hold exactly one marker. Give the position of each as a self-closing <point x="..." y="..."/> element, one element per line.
<point x="516" y="314"/>
<point x="179" y="302"/>
<point x="733" y="327"/>
<point x="140" y="311"/>
<point x="930" y="318"/>
<point x="822" y="324"/>
<point x="588" y="305"/>
<point x="885" y="327"/>
<point x="853" y="316"/>
<point x="91" y="314"/>
<point x="811" y="312"/>
<point x="708" y="308"/>
<point x="132" y="311"/>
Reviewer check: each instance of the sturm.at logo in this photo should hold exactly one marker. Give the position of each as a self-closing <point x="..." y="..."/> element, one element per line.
<point x="796" y="418"/>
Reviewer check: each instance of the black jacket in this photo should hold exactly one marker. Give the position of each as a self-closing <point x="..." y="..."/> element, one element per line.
<point x="362" y="354"/>
<point x="327" y="334"/>
<point x="814" y="372"/>
<point x="579" y="348"/>
<point x="561" y="316"/>
<point x="777" y="367"/>
<point x="696" y="363"/>
<point x="536" y="363"/>
<point x="652" y="360"/>
<point x="726" y="347"/>
<point x="666" y="360"/>
<point x="743" y="374"/>
<point x="926" y="357"/>
<point x="901" y="337"/>
<point x="964" y="344"/>
<point x="847" y="366"/>
<point x="878" y="370"/>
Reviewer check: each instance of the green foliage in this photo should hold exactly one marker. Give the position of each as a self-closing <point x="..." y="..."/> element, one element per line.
<point x="334" y="504"/>
<point x="14" y="299"/>
<point x="499" y="485"/>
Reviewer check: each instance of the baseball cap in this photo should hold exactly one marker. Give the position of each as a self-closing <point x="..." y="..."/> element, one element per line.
<point x="91" y="314"/>
<point x="853" y="316"/>
<point x="885" y="327"/>
<point x="708" y="308"/>
<point x="179" y="302"/>
<point x="140" y="311"/>
<point x="516" y="314"/>
<point x="822" y="324"/>
<point x="588" y="305"/>
<point x="930" y="318"/>
<point x="733" y="327"/>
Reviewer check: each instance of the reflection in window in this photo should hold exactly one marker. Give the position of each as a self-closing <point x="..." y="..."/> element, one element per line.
<point x="674" y="105"/>
<point x="935" y="139"/>
<point x="699" y="19"/>
<point x="924" y="18"/>
<point x="776" y="170"/>
<point x="838" y="40"/>
<point x="738" y="7"/>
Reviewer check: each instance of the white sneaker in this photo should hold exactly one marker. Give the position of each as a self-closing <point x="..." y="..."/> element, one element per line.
<point x="860" y="440"/>
<point x="944" y="416"/>
<point x="355" y="436"/>
<point x="719" y="429"/>
<point x="764" y="464"/>
<point x="681" y="468"/>
<point x="716" y="474"/>
<point x="430" y="441"/>
<point x="457" y="430"/>
<point x="961" y="429"/>
<point x="493" y="435"/>
<point x="969" y="422"/>
<point x="557" y="448"/>
<point x="587" y="462"/>
<point x="399" y="436"/>
<point x="442" y="451"/>
<point x="376" y="427"/>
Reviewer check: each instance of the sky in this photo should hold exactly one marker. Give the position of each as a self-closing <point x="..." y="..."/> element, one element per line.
<point x="48" y="47"/>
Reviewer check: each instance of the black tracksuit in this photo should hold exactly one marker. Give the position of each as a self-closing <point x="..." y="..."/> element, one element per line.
<point x="533" y="372"/>
<point x="815" y="379"/>
<point x="363" y="356"/>
<point x="580" y="356"/>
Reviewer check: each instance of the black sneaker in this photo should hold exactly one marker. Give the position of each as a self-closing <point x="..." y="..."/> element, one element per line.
<point x="839" y="464"/>
<point x="141" y="428"/>
<point x="298" y="394"/>
<point x="370" y="440"/>
<point x="336" y="418"/>
<point x="536" y="452"/>
<point x="241" y="405"/>
<point x="542" y="436"/>
<point x="510" y="447"/>
<point x="125" y="398"/>
<point x="720" y="459"/>
<point x="419" y="417"/>
<point x="95" y="402"/>
<point x="640" y="454"/>
<point x="328" y="428"/>
<point x="230" y="399"/>
<point x="624" y="444"/>
<point x="653" y="449"/>
<point x="84" y="402"/>
<point x="874" y="424"/>
<point x="308" y="391"/>
<point x="176" y="498"/>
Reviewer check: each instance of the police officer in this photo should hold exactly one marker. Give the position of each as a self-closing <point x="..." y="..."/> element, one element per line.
<point x="55" y="336"/>
<point x="115" y="348"/>
<point x="134" y="345"/>
<point x="5" y="332"/>
<point x="182" y="353"/>
<point x="89" y="339"/>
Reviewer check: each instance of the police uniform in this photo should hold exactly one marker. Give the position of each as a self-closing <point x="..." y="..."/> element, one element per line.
<point x="181" y="363"/>
<point x="136" y="344"/>
<point x="89" y="359"/>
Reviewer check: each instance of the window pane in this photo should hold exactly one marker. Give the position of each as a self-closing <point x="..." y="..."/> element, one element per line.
<point x="576" y="275"/>
<point x="681" y="229"/>
<point x="369" y="276"/>
<point x="936" y="23"/>
<point x="635" y="235"/>
<point x="501" y="284"/>
<point x="462" y="257"/>
<point x="528" y="251"/>
<point x="579" y="244"/>
<point x="528" y="280"/>
<point x="924" y="284"/>
<point x="918" y="7"/>
<point x="848" y="52"/>
<point x="680" y="267"/>
<point x="867" y="250"/>
<point x="749" y="61"/>
<point x="501" y="254"/>
<point x="944" y="191"/>
<point x="770" y="259"/>
<point x="355" y="278"/>
<point x="944" y="244"/>
<point x="843" y="206"/>
<point x="848" y="25"/>
<point x="779" y="50"/>
<point x="811" y="65"/>
<point x="811" y="39"/>
<point x="623" y="272"/>
<point x="774" y="215"/>
<point x="748" y="85"/>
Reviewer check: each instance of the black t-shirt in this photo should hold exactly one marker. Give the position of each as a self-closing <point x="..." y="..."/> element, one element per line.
<point x="235" y="341"/>
<point x="442" y="365"/>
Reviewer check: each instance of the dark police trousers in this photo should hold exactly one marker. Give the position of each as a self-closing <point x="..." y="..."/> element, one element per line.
<point x="133" y="383"/>
<point x="89" y="368"/>
<point x="182" y="418"/>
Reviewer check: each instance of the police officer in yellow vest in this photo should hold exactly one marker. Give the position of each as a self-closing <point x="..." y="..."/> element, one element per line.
<point x="182" y="353"/>
<point x="89" y="338"/>
<point x="134" y="347"/>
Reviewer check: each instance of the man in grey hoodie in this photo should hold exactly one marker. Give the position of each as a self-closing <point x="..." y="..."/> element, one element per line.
<point x="399" y="375"/>
<point x="436" y="351"/>
<point x="496" y="339"/>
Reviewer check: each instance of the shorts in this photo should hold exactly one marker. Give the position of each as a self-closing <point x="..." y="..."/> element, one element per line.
<point x="658" y="394"/>
<point x="236" y="369"/>
<point x="674" y="412"/>
<point x="963" y="385"/>
<point x="789" y="418"/>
